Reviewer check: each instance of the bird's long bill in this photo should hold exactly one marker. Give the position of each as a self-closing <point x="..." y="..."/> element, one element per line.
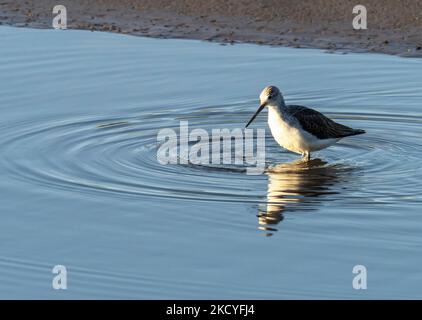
<point x="256" y="113"/>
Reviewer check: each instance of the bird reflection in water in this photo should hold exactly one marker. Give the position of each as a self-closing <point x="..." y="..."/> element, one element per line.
<point x="296" y="186"/>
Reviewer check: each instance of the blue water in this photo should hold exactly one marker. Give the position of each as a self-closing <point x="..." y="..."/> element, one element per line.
<point x="78" y="191"/>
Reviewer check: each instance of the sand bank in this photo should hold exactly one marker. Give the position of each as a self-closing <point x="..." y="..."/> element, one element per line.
<point x="394" y="27"/>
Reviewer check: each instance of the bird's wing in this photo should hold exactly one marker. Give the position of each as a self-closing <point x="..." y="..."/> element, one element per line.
<point x="319" y="125"/>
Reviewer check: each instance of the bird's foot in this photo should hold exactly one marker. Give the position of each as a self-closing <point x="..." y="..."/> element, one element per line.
<point x="306" y="156"/>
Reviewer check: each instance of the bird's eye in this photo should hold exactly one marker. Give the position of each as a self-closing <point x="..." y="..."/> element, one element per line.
<point x="270" y="97"/>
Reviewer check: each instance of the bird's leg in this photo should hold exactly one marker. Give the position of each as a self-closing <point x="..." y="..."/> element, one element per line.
<point x="307" y="156"/>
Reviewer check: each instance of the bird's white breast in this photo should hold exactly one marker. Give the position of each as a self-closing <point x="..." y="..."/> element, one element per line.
<point x="289" y="134"/>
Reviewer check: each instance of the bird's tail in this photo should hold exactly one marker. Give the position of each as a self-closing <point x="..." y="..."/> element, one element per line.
<point x="355" y="132"/>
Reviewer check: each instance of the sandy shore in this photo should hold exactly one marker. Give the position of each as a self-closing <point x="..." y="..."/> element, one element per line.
<point x="394" y="27"/>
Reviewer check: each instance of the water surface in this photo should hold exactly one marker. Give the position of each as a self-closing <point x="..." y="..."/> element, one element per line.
<point x="81" y="185"/>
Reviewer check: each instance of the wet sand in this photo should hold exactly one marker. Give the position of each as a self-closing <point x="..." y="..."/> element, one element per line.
<point x="394" y="27"/>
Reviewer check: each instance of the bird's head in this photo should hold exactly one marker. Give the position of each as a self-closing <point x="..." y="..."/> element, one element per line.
<point x="271" y="95"/>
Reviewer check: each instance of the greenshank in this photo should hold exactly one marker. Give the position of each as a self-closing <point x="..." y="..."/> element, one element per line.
<point x="300" y="129"/>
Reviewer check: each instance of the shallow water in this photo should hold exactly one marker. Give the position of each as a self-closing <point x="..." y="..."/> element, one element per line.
<point x="81" y="185"/>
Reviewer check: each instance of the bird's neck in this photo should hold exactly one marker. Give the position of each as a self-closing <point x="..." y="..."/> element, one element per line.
<point x="277" y="109"/>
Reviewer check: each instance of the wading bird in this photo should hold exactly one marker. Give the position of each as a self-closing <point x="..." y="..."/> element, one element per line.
<point x="297" y="128"/>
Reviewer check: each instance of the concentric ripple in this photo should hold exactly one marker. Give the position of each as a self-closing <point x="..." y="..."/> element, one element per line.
<point x="118" y="156"/>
